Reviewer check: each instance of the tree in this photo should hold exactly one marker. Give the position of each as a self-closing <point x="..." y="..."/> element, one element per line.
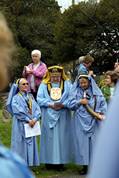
<point x="75" y="32"/>
<point x="88" y="28"/>
<point x="105" y="46"/>
<point x="32" y="22"/>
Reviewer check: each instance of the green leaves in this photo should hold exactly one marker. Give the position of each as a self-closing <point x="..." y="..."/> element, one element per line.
<point x="32" y="22"/>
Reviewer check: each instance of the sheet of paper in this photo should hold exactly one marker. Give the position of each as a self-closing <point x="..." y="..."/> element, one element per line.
<point x="30" y="132"/>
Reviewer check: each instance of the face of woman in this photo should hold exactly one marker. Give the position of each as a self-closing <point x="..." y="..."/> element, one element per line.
<point x="108" y="80"/>
<point x="23" y="86"/>
<point x="84" y="83"/>
<point x="35" y="58"/>
<point x="55" y="79"/>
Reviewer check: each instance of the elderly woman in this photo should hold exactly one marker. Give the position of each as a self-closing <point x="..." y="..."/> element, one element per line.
<point x="24" y="110"/>
<point x="89" y="107"/>
<point x="55" y="138"/>
<point x="35" y="71"/>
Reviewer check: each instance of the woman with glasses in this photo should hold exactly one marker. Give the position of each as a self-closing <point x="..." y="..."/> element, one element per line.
<point x="25" y="110"/>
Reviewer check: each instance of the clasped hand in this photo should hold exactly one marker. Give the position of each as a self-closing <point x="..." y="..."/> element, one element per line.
<point x="28" y="70"/>
<point x="32" y="123"/>
<point x="84" y="101"/>
<point x="56" y="106"/>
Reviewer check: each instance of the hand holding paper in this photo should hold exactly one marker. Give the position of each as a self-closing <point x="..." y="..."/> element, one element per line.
<point x="32" y="131"/>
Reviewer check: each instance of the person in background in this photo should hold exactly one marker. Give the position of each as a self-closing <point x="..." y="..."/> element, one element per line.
<point x="89" y="105"/>
<point x="68" y="73"/>
<point x="116" y="66"/>
<point x="78" y="62"/>
<point x="105" y="161"/>
<point x="84" y="67"/>
<point x="110" y="81"/>
<point x="52" y="98"/>
<point x="24" y="110"/>
<point x="35" y="71"/>
<point x="10" y="164"/>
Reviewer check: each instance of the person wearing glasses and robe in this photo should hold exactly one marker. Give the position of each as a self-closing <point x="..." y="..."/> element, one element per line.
<point x="24" y="109"/>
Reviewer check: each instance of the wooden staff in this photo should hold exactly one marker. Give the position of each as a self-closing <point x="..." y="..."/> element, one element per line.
<point x="91" y="111"/>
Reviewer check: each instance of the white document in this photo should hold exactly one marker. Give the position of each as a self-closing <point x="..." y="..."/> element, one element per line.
<point x="30" y="132"/>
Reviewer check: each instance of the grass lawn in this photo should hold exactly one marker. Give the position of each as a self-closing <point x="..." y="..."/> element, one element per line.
<point x="40" y="171"/>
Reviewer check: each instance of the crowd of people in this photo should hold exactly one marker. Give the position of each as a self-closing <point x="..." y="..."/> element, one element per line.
<point x="72" y="116"/>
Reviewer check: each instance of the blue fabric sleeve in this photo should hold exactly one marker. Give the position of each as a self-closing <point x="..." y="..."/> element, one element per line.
<point x="72" y="102"/>
<point x="42" y="100"/>
<point x="36" y="111"/>
<point x="19" y="111"/>
<point x="101" y="105"/>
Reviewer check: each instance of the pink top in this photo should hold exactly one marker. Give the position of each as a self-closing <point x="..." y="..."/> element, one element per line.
<point x="38" y="74"/>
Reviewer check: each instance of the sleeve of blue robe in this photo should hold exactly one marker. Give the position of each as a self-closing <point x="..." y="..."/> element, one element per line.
<point x="36" y="111"/>
<point x="101" y="106"/>
<point x="65" y="96"/>
<point x="43" y="98"/>
<point x="19" y="111"/>
<point x="105" y="162"/>
<point x="73" y="103"/>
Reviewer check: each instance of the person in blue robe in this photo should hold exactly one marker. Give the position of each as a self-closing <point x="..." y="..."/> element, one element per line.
<point x="105" y="162"/>
<point x="24" y="110"/>
<point x="52" y="98"/>
<point x="84" y="66"/>
<point x="89" y="106"/>
<point x="11" y="163"/>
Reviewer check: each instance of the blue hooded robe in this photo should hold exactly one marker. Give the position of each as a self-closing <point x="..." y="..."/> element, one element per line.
<point x="84" y="125"/>
<point x="25" y="147"/>
<point x="55" y="130"/>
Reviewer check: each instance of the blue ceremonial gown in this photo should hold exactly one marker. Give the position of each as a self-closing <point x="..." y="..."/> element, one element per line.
<point x="84" y="125"/>
<point x="55" y="129"/>
<point x="25" y="147"/>
<point x="105" y="162"/>
<point x="11" y="166"/>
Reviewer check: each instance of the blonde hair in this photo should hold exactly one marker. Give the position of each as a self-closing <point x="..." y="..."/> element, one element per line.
<point x="6" y="49"/>
<point x="87" y="59"/>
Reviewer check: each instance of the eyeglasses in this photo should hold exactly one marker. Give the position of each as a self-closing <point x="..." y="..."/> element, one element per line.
<point x="24" y="84"/>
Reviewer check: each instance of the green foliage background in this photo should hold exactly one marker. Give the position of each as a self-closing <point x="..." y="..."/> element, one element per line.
<point x="88" y="27"/>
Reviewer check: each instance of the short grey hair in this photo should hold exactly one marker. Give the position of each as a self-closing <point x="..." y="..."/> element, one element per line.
<point x="36" y="51"/>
